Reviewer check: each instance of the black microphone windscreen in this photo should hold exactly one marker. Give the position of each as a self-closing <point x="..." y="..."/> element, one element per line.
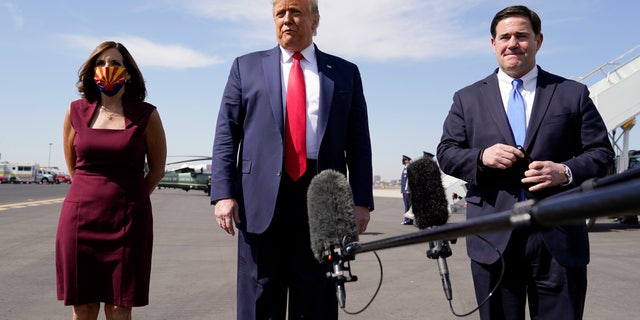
<point x="331" y="212"/>
<point x="428" y="200"/>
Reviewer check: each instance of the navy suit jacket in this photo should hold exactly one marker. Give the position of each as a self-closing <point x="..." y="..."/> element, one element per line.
<point x="248" y="149"/>
<point x="404" y="186"/>
<point x="564" y="127"/>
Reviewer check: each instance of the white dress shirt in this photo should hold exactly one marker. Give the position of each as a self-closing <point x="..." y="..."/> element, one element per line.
<point x="528" y="89"/>
<point x="309" y="67"/>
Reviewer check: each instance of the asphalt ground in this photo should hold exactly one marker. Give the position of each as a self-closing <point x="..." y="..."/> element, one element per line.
<point x="193" y="273"/>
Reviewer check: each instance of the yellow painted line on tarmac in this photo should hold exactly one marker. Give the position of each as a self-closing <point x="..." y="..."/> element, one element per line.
<point x="30" y="204"/>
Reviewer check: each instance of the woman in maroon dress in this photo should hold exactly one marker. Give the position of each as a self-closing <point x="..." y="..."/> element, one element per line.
<point x="105" y="230"/>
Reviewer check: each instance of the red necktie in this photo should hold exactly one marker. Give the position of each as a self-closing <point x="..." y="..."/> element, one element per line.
<point x="295" y="148"/>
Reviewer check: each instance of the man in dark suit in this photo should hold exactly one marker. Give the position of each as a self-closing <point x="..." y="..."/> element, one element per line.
<point x="250" y="186"/>
<point x="404" y="189"/>
<point x="564" y="143"/>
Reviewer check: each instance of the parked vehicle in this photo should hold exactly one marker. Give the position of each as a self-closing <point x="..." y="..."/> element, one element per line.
<point x="5" y="173"/>
<point x="186" y="179"/>
<point x="63" y="178"/>
<point x="30" y="173"/>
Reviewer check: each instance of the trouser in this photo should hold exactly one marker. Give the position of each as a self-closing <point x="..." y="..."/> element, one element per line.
<point x="553" y="291"/>
<point x="277" y="267"/>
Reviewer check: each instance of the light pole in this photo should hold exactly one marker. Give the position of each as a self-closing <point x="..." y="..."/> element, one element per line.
<point x="49" y="164"/>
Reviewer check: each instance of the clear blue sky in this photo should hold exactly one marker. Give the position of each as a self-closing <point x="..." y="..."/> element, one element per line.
<point x="413" y="55"/>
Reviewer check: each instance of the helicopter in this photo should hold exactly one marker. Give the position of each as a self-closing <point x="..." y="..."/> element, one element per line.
<point x="188" y="177"/>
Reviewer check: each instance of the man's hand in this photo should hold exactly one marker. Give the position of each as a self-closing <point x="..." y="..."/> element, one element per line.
<point x="544" y="174"/>
<point x="226" y="211"/>
<point x="362" y="218"/>
<point x="500" y="156"/>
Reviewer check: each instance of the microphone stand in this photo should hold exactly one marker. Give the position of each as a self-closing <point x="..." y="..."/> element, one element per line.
<point x="440" y="250"/>
<point x="614" y="195"/>
<point x="340" y="271"/>
<point x="594" y="198"/>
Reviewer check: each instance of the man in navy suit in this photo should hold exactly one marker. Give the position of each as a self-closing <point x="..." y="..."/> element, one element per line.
<point x="404" y="189"/>
<point x="250" y="187"/>
<point x="565" y="144"/>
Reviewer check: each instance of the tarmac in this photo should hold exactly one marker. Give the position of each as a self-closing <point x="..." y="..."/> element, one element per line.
<point x="194" y="265"/>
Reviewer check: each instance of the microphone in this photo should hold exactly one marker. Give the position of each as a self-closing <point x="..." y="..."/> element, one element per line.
<point x="332" y="226"/>
<point x="428" y="200"/>
<point x="430" y="208"/>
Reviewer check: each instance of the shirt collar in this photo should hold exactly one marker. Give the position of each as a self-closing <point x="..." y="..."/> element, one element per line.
<point x="309" y="54"/>
<point x="529" y="79"/>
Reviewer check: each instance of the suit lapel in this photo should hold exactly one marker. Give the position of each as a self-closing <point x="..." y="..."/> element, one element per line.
<point x="326" y="75"/>
<point x="544" y="92"/>
<point x="272" y="75"/>
<point x="496" y="108"/>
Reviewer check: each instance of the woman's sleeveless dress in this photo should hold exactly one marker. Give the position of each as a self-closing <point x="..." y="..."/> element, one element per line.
<point x="105" y="230"/>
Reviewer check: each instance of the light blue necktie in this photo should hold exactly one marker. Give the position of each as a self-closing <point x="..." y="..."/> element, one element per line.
<point x="517" y="118"/>
<point x="516" y="113"/>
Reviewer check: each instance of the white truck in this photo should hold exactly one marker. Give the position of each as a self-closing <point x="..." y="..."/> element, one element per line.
<point x="30" y="173"/>
<point x="5" y="173"/>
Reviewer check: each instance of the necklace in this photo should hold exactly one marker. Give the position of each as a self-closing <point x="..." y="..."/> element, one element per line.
<point x="110" y="114"/>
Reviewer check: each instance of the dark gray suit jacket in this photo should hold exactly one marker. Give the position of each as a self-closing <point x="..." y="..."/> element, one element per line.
<point x="564" y="127"/>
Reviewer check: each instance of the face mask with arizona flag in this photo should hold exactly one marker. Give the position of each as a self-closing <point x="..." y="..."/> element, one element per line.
<point x="109" y="79"/>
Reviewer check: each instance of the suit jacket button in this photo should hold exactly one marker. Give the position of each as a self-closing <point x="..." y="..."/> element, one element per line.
<point x="279" y="173"/>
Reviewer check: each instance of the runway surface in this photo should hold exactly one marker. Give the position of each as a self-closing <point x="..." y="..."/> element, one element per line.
<point x="193" y="274"/>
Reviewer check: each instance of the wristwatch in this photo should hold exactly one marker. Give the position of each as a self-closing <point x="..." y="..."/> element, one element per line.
<point x="567" y="173"/>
